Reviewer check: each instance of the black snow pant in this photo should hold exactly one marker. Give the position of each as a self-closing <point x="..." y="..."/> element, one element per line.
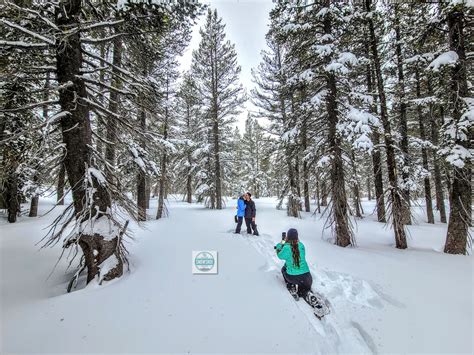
<point x="304" y="281"/>
<point x="239" y="224"/>
<point x="251" y="226"/>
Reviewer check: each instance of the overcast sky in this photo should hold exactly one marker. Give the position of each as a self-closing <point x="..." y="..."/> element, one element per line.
<point x="246" y="25"/>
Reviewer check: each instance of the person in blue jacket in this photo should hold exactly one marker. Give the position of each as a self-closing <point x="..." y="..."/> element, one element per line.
<point x="240" y="212"/>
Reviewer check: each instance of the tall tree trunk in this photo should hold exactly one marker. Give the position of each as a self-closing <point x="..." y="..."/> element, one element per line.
<point x="376" y="154"/>
<point x="100" y="123"/>
<point x="189" y="188"/>
<point x="111" y="127"/>
<point x="403" y="126"/>
<point x="164" y="161"/>
<point x="318" y="193"/>
<point x="369" y="188"/>
<point x="162" y="184"/>
<point x="339" y="208"/>
<point x="34" y="206"/>
<point x="436" y="159"/>
<point x="141" y="176"/>
<point x="148" y="191"/>
<point x="460" y="213"/>
<point x="307" y="205"/>
<point x="11" y="196"/>
<point x="324" y="193"/>
<point x="77" y="137"/>
<point x="61" y="183"/>
<point x="395" y="193"/>
<point x="141" y="195"/>
<point x="356" y="188"/>
<point x="424" y="153"/>
<point x="35" y="197"/>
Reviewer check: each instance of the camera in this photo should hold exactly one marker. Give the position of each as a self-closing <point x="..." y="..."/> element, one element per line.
<point x="283" y="237"/>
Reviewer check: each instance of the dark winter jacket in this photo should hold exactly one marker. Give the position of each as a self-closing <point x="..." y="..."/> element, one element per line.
<point x="250" y="210"/>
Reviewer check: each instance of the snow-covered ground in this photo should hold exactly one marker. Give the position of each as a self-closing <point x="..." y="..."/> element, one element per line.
<point x="383" y="300"/>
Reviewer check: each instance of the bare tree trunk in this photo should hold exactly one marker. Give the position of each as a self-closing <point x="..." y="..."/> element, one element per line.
<point x="460" y="215"/>
<point x="164" y="161"/>
<point x="141" y="176"/>
<point x="141" y="195"/>
<point x="356" y="188"/>
<point x="339" y="208"/>
<point x="34" y="206"/>
<point x="189" y="189"/>
<point x="61" y="184"/>
<point x="376" y="154"/>
<point x="217" y="166"/>
<point x="318" y="193"/>
<point x="100" y="123"/>
<point x="35" y="197"/>
<point x="294" y="205"/>
<point x="324" y="193"/>
<point x="369" y="188"/>
<point x="111" y="127"/>
<point x="161" y="196"/>
<point x="424" y="153"/>
<point x="77" y="137"/>
<point x="436" y="164"/>
<point x="148" y="191"/>
<point x="395" y="195"/>
<point x="406" y="215"/>
<point x="307" y="205"/>
<point x="12" y="198"/>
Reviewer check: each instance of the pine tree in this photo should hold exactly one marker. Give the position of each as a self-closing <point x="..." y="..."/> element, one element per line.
<point x="216" y="72"/>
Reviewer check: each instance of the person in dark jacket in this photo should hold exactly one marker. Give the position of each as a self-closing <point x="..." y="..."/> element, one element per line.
<point x="250" y="214"/>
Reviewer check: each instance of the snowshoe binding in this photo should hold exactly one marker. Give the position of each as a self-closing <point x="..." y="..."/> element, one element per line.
<point x="320" y="307"/>
<point x="293" y="289"/>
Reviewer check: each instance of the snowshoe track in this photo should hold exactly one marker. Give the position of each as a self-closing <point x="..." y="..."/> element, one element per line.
<point x="341" y="289"/>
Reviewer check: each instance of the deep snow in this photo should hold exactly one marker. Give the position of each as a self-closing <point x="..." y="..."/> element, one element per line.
<point x="383" y="299"/>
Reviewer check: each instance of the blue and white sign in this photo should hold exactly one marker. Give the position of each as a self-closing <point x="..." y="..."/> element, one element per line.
<point x="204" y="262"/>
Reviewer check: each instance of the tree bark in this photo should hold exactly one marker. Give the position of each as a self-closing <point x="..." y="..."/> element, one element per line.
<point x="424" y="153"/>
<point x="356" y="189"/>
<point x="403" y="126"/>
<point x="111" y="125"/>
<point x="307" y="205"/>
<point x="77" y="137"/>
<point x="395" y="193"/>
<point x="34" y="206"/>
<point x="164" y="161"/>
<point x="376" y="154"/>
<point x="436" y="159"/>
<point x="460" y="213"/>
<point x="338" y="189"/>
<point x="61" y="183"/>
<point x="141" y="176"/>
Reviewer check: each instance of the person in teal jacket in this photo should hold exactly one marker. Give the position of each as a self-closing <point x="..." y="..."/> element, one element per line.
<point x="240" y="214"/>
<point x="296" y="272"/>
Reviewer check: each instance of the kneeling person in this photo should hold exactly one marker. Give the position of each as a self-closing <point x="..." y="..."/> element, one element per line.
<point x="295" y="271"/>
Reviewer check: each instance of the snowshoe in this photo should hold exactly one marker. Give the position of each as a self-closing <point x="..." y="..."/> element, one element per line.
<point x="293" y="289"/>
<point x="319" y="304"/>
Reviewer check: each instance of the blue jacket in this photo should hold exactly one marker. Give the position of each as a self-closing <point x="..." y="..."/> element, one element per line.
<point x="240" y="207"/>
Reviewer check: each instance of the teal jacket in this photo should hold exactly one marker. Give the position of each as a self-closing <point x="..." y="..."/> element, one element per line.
<point x="284" y="253"/>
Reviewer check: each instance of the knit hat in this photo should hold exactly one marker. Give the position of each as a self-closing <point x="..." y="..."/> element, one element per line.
<point x="292" y="234"/>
